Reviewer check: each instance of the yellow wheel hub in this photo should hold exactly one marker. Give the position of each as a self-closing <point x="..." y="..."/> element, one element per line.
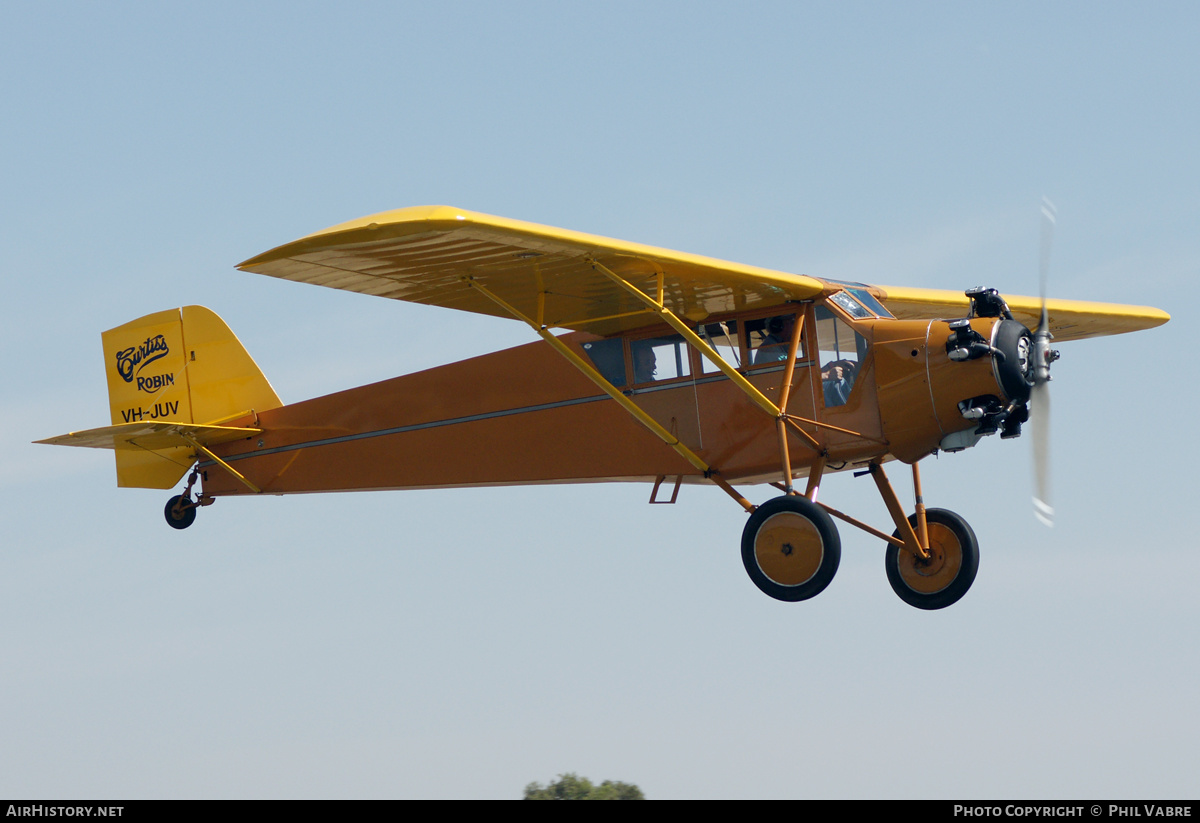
<point x="788" y="549"/>
<point x="939" y="571"/>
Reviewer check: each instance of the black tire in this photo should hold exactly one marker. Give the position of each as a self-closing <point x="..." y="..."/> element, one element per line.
<point x="184" y="516"/>
<point x="790" y="548"/>
<point x="946" y="577"/>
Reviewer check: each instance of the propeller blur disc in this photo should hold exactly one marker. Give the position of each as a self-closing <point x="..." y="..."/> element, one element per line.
<point x="1039" y="398"/>
<point x="1039" y="422"/>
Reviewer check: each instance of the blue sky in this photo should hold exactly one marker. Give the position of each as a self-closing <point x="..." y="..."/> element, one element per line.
<point x="464" y="643"/>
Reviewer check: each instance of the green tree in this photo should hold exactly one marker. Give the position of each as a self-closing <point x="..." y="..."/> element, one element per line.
<point x="571" y="786"/>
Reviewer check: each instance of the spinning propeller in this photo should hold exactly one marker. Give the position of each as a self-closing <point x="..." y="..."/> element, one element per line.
<point x="1039" y="398"/>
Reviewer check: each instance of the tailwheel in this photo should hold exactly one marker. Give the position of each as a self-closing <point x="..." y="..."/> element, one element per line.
<point x="790" y="548"/>
<point x="180" y="511"/>
<point x="943" y="578"/>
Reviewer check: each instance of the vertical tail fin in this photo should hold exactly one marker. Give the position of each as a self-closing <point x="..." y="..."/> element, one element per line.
<point x="180" y="366"/>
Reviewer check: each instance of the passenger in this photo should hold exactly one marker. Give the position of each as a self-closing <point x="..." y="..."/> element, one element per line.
<point x="774" y="347"/>
<point x="645" y="363"/>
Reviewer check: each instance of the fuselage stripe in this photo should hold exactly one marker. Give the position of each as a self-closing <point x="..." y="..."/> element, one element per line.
<point x="472" y="418"/>
<point x="433" y="424"/>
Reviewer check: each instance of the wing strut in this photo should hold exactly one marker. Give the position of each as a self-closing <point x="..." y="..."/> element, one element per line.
<point x="599" y="379"/>
<point x="692" y="338"/>
<point x="785" y="392"/>
<point x="729" y="371"/>
<point x="779" y="413"/>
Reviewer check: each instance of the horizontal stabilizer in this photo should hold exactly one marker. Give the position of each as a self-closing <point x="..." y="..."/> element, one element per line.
<point x="151" y="436"/>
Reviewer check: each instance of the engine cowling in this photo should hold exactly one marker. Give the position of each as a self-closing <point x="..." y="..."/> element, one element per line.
<point x="943" y="384"/>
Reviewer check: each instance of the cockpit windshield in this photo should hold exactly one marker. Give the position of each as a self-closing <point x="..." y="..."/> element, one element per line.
<point x="852" y="306"/>
<point x="859" y="304"/>
<point x="863" y="296"/>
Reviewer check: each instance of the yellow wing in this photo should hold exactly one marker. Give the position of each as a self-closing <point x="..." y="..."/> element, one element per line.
<point x="424" y="255"/>
<point x="1069" y="319"/>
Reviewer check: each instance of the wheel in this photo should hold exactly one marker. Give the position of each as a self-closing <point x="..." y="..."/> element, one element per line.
<point x="790" y="548"/>
<point x="942" y="580"/>
<point x="182" y="517"/>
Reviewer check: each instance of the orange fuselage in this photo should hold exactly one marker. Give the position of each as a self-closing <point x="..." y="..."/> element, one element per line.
<point x="526" y="415"/>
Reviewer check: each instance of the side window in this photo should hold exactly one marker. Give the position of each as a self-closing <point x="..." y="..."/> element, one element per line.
<point x="723" y="337"/>
<point x="608" y="356"/>
<point x="842" y="350"/>
<point x="659" y="358"/>
<point x="768" y="339"/>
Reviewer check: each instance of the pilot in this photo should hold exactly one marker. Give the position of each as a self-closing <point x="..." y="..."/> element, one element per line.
<point x="774" y="347"/>
<point x="837" y="378"/>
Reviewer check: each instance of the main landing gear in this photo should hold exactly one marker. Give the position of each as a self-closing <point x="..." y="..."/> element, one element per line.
<point x="791" y="548"/>
<point x="944" y="577"/>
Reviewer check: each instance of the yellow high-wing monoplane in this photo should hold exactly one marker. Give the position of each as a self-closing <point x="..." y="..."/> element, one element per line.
<point x="674" y="369"/>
